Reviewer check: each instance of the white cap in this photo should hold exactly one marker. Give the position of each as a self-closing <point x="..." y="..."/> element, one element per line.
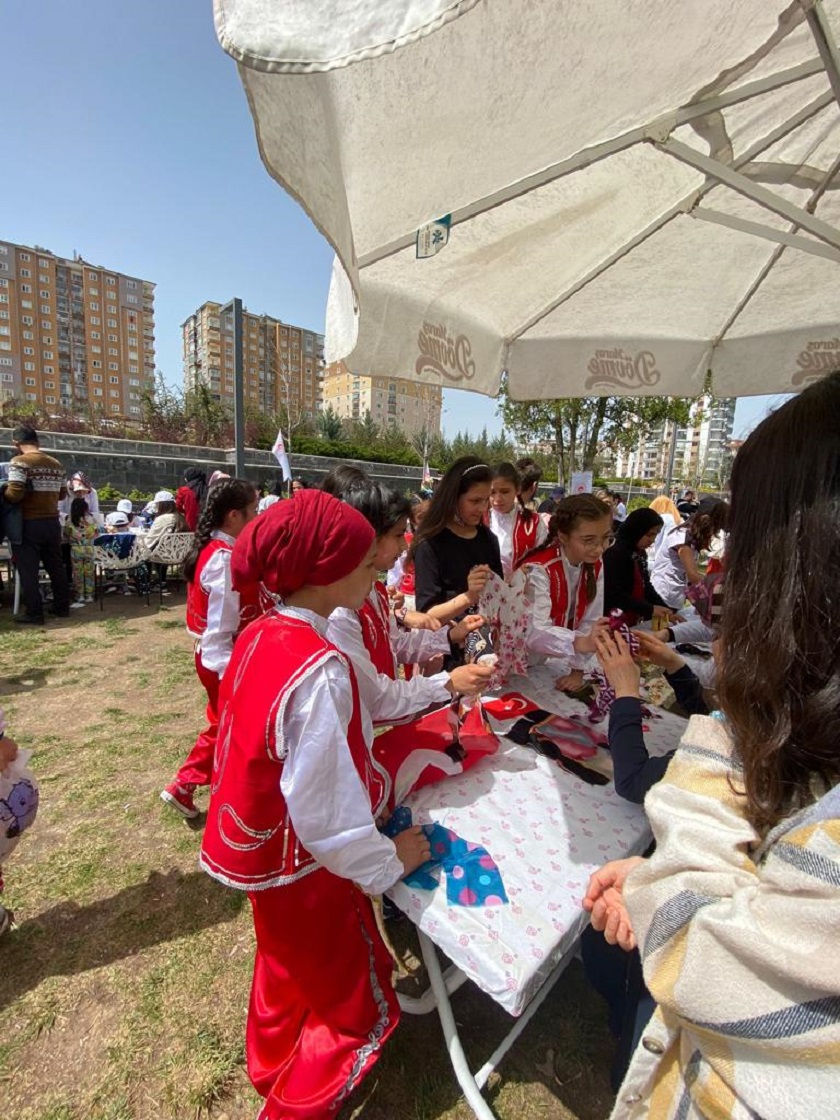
<point x="124" y="505"/>
<point x="116" y="519"/>
<point x="163" y="496"/>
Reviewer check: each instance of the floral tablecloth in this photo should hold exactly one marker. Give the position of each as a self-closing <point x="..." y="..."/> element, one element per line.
<point x="548" y="831"/>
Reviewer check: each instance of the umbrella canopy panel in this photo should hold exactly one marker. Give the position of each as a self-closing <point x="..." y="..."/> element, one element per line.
<point x="637" y="192"/>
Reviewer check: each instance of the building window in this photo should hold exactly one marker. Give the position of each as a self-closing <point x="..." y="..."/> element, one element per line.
<point x="110" y="280"/>
<point x="46" y="325"/>
<point x="27" y="304"/>
<point x="29" y="366"/>
<point x="96" y="377"/>
<point x="93" y="276"/>
<point x="50" y="400"/>
<point x="42" y="263"/>
<point x="45" y="309"/>
<point x="49" y="384"/>
<point x="4" y="345"/>
<point x="96" y="349"/>
<point x="25" y="271"/>
<point x="48" y="354"/>
<point x="94" y="306"/>
<point x="31" y="381"/>
<point x="26" y="287"/>
<point x="46" y="340"/>
<point x="28" y="334"/>
<point x="95" y="334"/>
<point x="32" y="396"/>
<point x="131" y="284"/>
<point x="96" y="364"/>
<point x="112" y="323"/>
<point x="95" y="321"/>
<point x="114" y="380"/>
<point x="97" y="392"/>
<point x="133" y="369"/>
<point x="132" y="299"/>
<point x="115" y="392"/>
<point x="28" y="350"/>
<point x="93" y="291"/>
<point x="44" y="293"/>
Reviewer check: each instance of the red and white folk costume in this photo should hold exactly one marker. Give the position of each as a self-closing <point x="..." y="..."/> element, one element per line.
<point x="555" y="592"/>
<point x="216" y="613"/>
<point x="516" y="535"/>
<point x="375" y="645"/>
<point x="291" y="821"/>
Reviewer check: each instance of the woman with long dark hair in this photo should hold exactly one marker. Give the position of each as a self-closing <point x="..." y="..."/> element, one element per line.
<point x="737" y="911"/>
<point x="453" y="550"/>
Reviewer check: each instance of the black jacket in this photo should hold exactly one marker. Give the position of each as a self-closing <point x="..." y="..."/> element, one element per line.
<point x="620" y="563"/>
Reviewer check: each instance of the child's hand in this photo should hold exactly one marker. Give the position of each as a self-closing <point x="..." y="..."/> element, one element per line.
<point x="417" y="620"/>
<point x="617" y="662"/>
<point x="652" y="648"/>
<point x="397" y="598"/>
<point x="572" y="682"/>
<point x="469" y="680"/>
<point x="412" y="848"/>
<point x="8" y="752"/>
<point x="477" y="581"/>
<point x="458" y="632"/>
<point x="588" y="643"/>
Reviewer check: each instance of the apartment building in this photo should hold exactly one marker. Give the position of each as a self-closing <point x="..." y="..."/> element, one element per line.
<point x="74" y="335"/>
<point x="703" y="448"/>
<point x="283" y="363"/>
<point x="410" y="405"/>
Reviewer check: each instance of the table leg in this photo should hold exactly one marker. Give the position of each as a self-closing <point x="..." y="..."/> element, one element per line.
<point x="477" y="1103"/>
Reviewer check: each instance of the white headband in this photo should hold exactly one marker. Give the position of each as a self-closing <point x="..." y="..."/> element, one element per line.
<point x="476" y="467"/>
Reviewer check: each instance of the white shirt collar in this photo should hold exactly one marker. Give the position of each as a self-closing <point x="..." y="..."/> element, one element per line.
<point x="305" y="615"/>
<point x="218" y="535"/>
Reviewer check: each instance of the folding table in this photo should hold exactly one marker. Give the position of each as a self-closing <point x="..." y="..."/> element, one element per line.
<point x="547" y="831"/>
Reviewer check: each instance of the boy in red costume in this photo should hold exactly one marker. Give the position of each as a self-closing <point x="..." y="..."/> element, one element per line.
<point x="293" y="808"/>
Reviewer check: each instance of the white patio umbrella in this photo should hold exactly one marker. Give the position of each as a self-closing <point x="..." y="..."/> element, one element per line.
<point x="623" y="194"/>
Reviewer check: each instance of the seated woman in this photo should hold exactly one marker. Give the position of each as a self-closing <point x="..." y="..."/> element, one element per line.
<point x="374" y="642"/>
<point x="563" y="585"/>
<point x="627" y="585"/>
<point x="294" y="803"/>
<point x="675" y="565"/>
<point x="737" y="910"/>
<point x="453" y="551"/>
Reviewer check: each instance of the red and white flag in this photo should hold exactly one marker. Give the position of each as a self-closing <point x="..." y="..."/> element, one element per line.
<point x="279" y="452"/>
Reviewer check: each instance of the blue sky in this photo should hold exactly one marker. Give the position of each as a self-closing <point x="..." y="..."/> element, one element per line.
<point x="132" y="144"/>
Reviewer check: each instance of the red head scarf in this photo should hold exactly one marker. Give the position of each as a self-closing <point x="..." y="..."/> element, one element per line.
<point x="315" y="539"/>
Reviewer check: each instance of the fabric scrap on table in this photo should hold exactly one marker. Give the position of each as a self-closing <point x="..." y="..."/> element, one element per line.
<point x="472" y="877"/>
<point x="605" y="696"/>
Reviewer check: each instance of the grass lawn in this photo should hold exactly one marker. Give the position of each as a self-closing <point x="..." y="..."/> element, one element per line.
<point x="125" y="984"/>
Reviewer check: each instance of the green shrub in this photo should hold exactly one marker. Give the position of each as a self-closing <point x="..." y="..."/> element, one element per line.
<point x="108" y="493"/>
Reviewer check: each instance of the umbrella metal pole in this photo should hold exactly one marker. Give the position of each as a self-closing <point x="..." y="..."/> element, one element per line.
<point x="235" y="307"/>
<point x="672" y="455"/>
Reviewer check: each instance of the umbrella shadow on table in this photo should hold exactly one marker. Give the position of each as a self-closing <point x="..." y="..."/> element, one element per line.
<point x="69" y="938"/>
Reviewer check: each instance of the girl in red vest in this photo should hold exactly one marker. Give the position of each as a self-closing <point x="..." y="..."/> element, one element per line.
<point x="215" y="615"/>
<point x="517" y="528"/>
<point x="377" y="641"/>
<point x="293" y="809"/>
<point x="563" y="583"/>
<point x="400" y="579"/>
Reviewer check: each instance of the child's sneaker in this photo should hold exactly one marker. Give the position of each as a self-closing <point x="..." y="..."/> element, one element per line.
<point x="181" y="798"/>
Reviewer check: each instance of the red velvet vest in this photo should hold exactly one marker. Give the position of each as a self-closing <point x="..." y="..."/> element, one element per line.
<point x="407" y="586"/>
<point x="549" y="557"/>
<point x="524" y="535"/>
<point x="373" y="619"/>
<point x="249" y="840"/>
<point x="198" y="599"/>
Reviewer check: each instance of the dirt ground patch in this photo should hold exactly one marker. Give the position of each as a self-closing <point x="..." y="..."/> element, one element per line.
<point x="125" y="984"/>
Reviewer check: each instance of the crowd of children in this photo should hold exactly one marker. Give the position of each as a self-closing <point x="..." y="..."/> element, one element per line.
<point x="299" y="643"/>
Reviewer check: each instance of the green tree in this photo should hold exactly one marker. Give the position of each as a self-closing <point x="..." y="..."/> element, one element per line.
<point x="575" y="429"/>
<point x="330" y="426"/>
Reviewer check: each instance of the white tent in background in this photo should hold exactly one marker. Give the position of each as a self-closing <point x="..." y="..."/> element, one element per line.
<point x="632" y="193"/>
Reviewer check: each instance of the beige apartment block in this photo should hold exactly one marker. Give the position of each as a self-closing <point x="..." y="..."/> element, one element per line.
<point x="410" y="405"/>
<point x="73" y="334"/>
<point x="283" y="363"/>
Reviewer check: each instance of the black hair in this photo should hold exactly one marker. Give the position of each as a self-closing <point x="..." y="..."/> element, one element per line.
<point x="383" y="507"/>
<point x="466" y="472"/>
<point x="225" y="495"/>
<point x="25" y="434"/>
<point x="529" y="472"/>
<point x="78" y="511"/>
<point x="341" y="477"/>
<point x="196" y="480"/>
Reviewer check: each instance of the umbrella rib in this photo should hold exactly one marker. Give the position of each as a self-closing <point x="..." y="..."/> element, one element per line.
<point x="774" y="256"/>
<point x="781" y="237"/>
<point x="821" y="31"/>
<point x="727" y="175"/>
<point x="661" y="127"/>
<point x="684" y="205"/>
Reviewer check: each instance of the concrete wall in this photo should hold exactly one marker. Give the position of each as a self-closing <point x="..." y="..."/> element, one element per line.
<point x="129" y="464"/>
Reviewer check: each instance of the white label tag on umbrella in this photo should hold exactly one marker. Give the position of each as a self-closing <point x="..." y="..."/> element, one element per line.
<point x="432" y="237"/>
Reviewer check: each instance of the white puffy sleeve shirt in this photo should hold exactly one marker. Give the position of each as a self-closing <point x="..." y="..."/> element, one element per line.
<point x="327" y="801"/>
<point x="545" y="639"/>
<point x="387" y="700"/>
<point x="216" y="643"/>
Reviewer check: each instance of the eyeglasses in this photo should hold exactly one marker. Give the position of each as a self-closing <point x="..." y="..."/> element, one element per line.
<point x="596" y="542"/>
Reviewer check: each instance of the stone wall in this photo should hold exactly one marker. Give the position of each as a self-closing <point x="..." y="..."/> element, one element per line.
<point x="129" y="464"/>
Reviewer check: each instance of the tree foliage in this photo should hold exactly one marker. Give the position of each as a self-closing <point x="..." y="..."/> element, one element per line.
<point x="576" y="429"/>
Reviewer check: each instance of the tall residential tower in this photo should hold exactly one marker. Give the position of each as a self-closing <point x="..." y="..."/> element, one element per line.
<point x="74" y="335"/>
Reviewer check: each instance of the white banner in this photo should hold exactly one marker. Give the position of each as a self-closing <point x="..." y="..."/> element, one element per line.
<point x="279" y="452"/>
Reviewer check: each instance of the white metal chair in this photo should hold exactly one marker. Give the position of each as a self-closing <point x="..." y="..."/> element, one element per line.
<point x="170" y="551"/>
<point x="117" y="554"/>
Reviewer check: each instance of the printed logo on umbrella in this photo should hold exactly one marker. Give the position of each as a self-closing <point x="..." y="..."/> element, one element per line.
<point x="627" y="371"/>
<point x="819" y="357"/>
<point x="445" y="354"/>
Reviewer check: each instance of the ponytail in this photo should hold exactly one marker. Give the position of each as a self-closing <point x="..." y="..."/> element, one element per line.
<point x="565" y="519"/>
<point x="223" y="496"/>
